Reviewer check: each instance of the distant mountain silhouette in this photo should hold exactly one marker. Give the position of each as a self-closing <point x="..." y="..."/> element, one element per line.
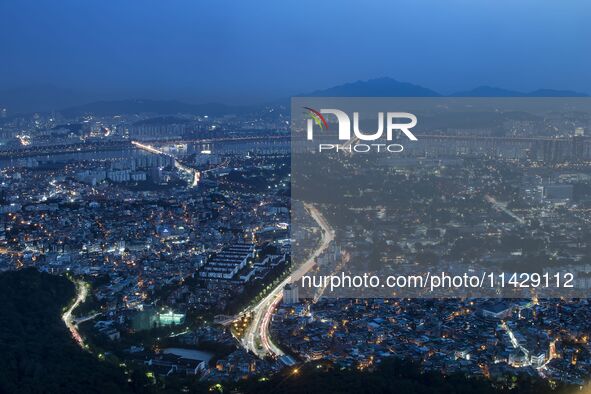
<point x="555" y="93"/>
<point x="159" y="107"/>
<point x="379" y="87"/>
<point x="388" y="87"/>
<point x="489" y="91"/>
<point x="45" y="98"/>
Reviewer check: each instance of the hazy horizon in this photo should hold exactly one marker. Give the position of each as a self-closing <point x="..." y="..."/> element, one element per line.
<point x="238" y="54"/>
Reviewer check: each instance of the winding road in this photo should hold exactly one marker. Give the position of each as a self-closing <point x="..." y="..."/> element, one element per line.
<point x="68" y="318"/>
<point x="258" y="330"/>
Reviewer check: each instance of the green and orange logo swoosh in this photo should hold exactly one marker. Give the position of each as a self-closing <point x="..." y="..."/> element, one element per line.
<point x="318" y="118"/>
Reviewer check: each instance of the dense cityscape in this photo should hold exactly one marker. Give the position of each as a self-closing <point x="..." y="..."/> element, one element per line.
<point x="176" y="233"/>
<point x="295" y="197"/>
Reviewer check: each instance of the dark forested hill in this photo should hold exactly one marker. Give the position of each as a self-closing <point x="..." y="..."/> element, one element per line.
<point x="37" y="353"/>
<point x="393" y="376"/>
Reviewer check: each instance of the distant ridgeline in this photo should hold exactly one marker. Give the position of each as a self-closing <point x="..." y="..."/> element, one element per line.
<point x="37" y="353"/>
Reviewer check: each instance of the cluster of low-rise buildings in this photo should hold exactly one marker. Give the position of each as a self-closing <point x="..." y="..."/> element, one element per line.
<point x="159" y="252"/>
<point x="494" y="339"/>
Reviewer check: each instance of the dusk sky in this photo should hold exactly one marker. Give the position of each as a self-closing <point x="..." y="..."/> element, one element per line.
<point x="243" y="51"/>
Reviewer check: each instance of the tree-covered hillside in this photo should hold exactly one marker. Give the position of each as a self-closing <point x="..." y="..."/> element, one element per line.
<point x="37" y="352"/>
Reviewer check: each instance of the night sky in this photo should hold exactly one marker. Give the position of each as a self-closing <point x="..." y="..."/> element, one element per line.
<point x="246" y="51"/>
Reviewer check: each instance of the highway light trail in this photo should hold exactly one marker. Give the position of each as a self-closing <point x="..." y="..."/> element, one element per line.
<point x="194" y="174"/>
<point x="503" y="207"/>
<point x="258" y="331"/>
<point x="81" y="293"/>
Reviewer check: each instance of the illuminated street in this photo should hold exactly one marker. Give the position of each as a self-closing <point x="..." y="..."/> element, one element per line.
<point x="194" y="174"/>
<point x="258" y="331"/>
<point x="68" y="318"/>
